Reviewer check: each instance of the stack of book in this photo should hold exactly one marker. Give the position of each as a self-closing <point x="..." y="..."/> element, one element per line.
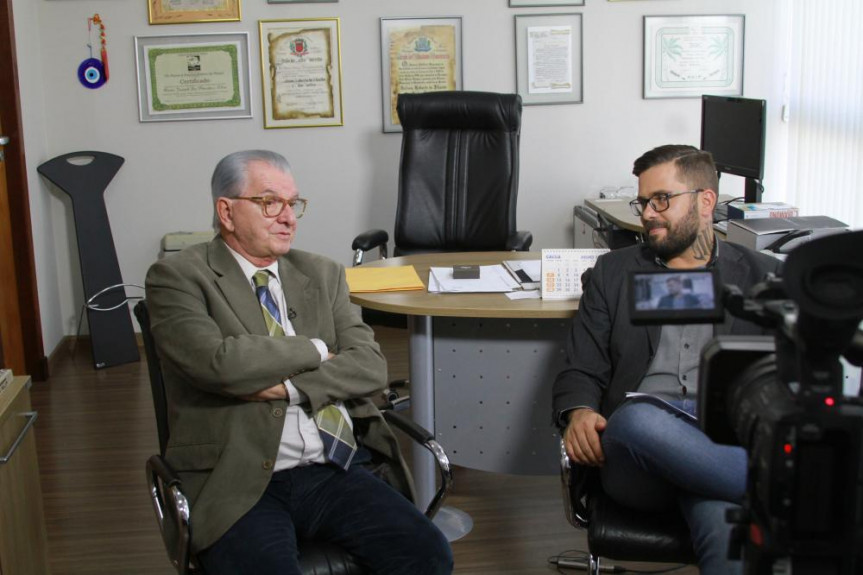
<point x="742" y="211"/>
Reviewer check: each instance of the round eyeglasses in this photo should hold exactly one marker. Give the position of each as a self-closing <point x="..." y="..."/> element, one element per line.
<point x="272" y="206"/>
<point x="659" y="202"/>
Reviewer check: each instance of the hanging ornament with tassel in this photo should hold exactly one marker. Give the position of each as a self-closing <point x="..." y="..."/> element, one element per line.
<point x="93" y="72"/>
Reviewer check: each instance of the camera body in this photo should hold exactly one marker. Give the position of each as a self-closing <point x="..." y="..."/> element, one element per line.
<point x="781" y="398"/>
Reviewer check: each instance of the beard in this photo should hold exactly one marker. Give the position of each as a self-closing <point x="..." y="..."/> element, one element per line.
<point x="678" y="236"/>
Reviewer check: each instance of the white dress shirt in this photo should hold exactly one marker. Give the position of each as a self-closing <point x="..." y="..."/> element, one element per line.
<point x="301" y="443"/>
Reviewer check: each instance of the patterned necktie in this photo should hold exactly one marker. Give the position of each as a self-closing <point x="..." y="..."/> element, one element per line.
<point x="268" y="305"/>
<point x="336" y="435"/>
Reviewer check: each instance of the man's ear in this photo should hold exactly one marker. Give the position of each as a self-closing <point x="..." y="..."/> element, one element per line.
<point x="709" y="198"/>
<point x="225" y="212"/>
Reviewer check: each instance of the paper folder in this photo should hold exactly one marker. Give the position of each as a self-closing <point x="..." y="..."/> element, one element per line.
<point x="397" y="278"/>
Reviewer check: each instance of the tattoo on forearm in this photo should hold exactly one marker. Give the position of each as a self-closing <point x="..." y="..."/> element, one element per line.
<point x="703" y="246"/>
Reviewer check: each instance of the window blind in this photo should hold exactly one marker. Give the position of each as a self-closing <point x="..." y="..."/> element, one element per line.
<point x="825" y="115"/>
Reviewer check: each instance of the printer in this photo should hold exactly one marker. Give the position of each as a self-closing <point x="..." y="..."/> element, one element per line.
<point x="781" y="234"/>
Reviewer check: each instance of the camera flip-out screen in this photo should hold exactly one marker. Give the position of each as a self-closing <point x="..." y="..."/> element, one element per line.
<point x="675" y="296"/>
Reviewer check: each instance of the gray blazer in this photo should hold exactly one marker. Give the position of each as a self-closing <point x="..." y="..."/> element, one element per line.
<point x="607" y="356"/>
<point x="212" y="339"/>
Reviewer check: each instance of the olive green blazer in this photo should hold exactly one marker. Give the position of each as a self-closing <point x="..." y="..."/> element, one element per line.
<point x="211" y="337"/>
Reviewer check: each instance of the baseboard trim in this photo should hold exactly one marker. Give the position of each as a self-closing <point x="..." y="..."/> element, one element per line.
<point x="70" y="342"/>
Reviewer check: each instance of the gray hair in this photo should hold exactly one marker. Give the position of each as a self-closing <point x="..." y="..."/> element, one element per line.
<point x="229" y="177"/>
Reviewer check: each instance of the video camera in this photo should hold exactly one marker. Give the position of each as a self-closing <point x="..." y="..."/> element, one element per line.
<point x="781" y="398"/>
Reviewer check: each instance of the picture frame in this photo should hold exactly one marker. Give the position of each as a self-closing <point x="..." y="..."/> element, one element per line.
<point x="418" y="55"/>
<point x="688" y="56"/>
<point x="549" y="58"/>
<point x="519" y="3"/>
<point x="193" y="11"/>
<point x="193" y="77"/>
<point x="301" y="72"/>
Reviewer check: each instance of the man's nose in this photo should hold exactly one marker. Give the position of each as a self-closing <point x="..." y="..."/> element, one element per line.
<point x="287" y="216"/>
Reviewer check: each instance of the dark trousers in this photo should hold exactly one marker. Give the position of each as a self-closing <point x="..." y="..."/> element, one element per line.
<point x="354" y="509"/>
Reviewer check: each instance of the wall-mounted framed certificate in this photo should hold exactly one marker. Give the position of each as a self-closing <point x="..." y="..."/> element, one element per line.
<point x="687" y="56"/>
<point x="301" y="73"/>
<point x="418" y="55"/>
<point x="548" y="58"/>
<point x="517" y="3"/>
<point x="193" y="11"/>
<point x="193" y="77"/>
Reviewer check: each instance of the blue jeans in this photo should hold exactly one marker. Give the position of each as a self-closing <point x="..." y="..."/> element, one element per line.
<point x="354" y="509"/>
<point x="656" y="459"/>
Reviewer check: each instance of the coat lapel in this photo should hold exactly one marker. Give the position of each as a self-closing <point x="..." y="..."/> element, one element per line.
<point x="235" y="287"/>
<point x="300" y="297"/>
<point x="733" y="272"/>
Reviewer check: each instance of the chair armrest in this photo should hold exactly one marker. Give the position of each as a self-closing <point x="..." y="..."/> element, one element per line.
<point x="426" y="439"/>
<point x="519" y="241"/>
<point x="369" y="240"/>
<point x="172" y="512"/>
<point x="573" y="483"/>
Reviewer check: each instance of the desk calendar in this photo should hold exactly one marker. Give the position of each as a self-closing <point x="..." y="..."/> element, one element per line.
<point x="562" y="269"/>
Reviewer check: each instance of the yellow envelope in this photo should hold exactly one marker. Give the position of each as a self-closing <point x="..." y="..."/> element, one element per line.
<point x="371" y="279"/>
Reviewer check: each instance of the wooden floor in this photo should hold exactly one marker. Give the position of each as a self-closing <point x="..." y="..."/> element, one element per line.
<point x="96" y="429"/>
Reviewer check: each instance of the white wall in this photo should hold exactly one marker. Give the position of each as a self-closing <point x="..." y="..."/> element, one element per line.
<point x="568" y="152"/>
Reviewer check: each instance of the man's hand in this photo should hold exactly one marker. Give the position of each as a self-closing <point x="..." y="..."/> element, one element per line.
<point x="278" y="391"/>
<point x="581" y="437"/>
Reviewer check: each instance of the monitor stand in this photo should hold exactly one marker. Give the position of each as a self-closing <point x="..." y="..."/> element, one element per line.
<point x="752" y="191"/>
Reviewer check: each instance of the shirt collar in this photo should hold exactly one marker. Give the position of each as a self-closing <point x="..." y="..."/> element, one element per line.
<point x="249" y="269"/>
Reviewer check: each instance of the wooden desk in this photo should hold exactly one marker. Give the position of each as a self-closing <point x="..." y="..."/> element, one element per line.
<point x="22" y="526"/>
<point x="481" y="369"/>
<point x="489" y="305"/>
<point x="616" y="211"/>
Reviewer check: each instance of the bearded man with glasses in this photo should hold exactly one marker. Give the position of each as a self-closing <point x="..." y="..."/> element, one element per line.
<point x="651" y="457"/>
<point x="269" y="372"/>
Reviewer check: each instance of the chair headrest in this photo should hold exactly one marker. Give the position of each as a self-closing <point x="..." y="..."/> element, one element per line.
<point x="460" y="110"/>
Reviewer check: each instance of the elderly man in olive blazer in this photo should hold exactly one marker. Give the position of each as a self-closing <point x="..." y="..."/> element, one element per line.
<point x="241" y="401"/>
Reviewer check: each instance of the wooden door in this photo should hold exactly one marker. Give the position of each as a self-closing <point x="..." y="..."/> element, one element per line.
<point x="20" y="321"/>
<point x="11" y="342"/>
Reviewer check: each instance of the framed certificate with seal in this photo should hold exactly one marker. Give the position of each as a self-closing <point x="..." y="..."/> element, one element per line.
<point x="301" y="73"/>
<point x="418" y="55"/>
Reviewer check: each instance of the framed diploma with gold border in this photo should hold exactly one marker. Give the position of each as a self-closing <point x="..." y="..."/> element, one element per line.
<point x="418" y="55"/>
<point x="193" y="77"/>
<point x="192" y="11"/>
<point x="301" y="73"/>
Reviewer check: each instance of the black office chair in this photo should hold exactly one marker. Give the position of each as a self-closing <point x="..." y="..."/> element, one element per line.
<point x="458" y="177"/>
<point x="617" y="532"/>
<point x="172" y="508"/>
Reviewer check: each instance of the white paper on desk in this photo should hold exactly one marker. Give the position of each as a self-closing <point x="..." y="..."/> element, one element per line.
<point x="529" y="294"/>
<point x="491" y="279"/>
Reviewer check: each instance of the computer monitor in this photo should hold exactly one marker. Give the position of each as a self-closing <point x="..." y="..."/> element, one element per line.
<point x="733" y="130"/>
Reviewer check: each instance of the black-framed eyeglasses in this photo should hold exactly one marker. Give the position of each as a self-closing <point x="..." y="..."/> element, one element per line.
<point x="273" y="206"/>
<point x="659" y="202"/>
